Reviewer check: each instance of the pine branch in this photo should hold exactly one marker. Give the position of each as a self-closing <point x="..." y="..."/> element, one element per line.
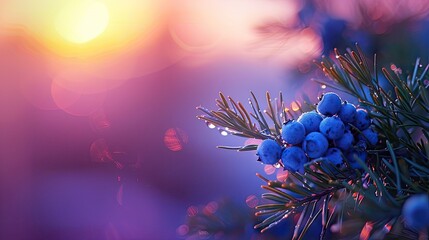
<point x="234" y="118"/>
<point x="371" y="196"/>
<point x="401" y="115"/>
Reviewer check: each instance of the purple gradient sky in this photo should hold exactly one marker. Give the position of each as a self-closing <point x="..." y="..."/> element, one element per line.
<point x="50" y="185"/>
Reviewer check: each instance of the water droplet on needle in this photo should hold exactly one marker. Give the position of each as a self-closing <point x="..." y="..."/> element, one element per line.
<point x="210" y="125"/>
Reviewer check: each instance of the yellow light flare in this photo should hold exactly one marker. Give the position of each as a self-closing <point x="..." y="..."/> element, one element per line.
<point x="82" y="21"/>
<point x="86" y="28"/>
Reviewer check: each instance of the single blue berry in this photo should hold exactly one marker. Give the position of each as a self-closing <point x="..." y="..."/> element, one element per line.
<point x="369" y="135"/>
<point x="416" y="212"/>
<point x="293" y="132"/>
<point x="315" y="144"/>
<point x="330" y="104"/>
<point x="311" y="121"/>
<point x="293" y="159"/>
<point x="334" y="156"/>
<point x="269" y="151"/>
<point x="347" y="112"/>
<point x="352" y="157"/>
<point x="362" y="120"/>
<point x="332" y="127"/>
<point x="345" y="142"/>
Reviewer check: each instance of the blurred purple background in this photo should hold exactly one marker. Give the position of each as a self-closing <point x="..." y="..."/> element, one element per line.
<point x="109" y="147"/>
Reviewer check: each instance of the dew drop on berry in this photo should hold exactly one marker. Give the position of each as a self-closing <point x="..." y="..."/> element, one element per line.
<point x="277" y="165"/>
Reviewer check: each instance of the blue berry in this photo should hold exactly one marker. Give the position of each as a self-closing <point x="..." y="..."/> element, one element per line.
<point x="369" y="135"/>
<point x="351" y="158"/>
<point x="334" y="156"/>
<point x="293" y="132"/>
<point x="416" y="212"/>
<point x="293" y="159"/>
<point x="315" y="144"/>
<point x="362" y="120"/>
<point x="347" y="112"/>
<point x="360" y="145"/>
<point x="345" y="142"/>
<point x="332" y="127"/>
<point x="311" y="121"/>
<point x="269" y="151"/>
<point x="330" y="104"/>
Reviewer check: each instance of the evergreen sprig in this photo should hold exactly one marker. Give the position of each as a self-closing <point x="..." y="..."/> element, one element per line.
<point x="371" y="199"/>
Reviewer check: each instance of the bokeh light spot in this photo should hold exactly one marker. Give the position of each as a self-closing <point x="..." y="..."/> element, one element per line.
<point x="63" y="97"/>
<point x="175" y="139"/>
<point x="211" y="208"/>
<point x="252" y="141"/>
<point x="282" y="175"/>
<point x="182" y="230"/>
<point x="192" y="211"/>
<point x="268" y="169"/>
<point x="100" y="151"/>
<point x="366" y="231"/>
<point x="295" y="105"/>
<point x="252" y="201"/>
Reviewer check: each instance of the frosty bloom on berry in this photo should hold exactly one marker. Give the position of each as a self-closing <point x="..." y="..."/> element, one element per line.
<point x="362" y="120"/>
<point x="293" y="159"/>
<point x="332" y="127"/>
<point x="345" y="142"/>
<point x="269" y="151"/>
<point x="293" y="132"/>
<point x="347" y="112"/>
<point x="311" y="121"/>
<point x="330" y="104"/>
<point x="369" y="135"/>
<point x="416" y="212"/>
<point x="315" y="144"/>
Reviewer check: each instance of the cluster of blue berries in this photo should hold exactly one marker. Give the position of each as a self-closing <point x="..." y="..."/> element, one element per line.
<point x="335" y="130"/>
